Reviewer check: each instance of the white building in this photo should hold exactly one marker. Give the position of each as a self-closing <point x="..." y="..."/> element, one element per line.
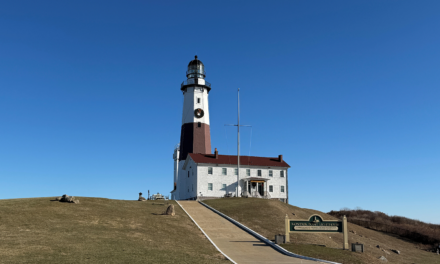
<point x="198" y="173"/>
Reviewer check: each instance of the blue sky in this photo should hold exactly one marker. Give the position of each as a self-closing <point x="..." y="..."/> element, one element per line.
<point x="347" y="91"/>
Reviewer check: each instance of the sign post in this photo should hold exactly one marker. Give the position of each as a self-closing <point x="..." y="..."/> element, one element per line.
<point x="315" y="224"/>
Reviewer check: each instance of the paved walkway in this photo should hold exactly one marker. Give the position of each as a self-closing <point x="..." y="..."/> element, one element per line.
<point x="236" y="243"/>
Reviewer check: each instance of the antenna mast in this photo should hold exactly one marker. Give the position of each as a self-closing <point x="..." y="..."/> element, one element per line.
<point x="238" y="141"/>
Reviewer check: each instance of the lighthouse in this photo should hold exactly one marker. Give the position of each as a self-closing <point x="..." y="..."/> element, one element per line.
<point x="195" y="136"/>
<point x="201" y="174"/>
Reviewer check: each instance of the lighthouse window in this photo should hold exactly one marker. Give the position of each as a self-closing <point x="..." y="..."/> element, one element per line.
<point x="199" y="124"/>
<point x="198" y="100"/>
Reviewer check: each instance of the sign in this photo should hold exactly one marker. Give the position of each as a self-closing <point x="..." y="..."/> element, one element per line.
<point x="315" y="224"/>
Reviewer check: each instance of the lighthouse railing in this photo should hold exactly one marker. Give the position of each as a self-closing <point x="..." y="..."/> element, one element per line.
<point x="191" y="81"/>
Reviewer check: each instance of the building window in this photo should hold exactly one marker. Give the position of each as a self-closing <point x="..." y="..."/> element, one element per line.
<point x="224" y="171"/>
<point x="281" y="173"/>
<point x="224" y="187"/>
<point x="248" y="172"/>
<point x="270" y="173"/>
<point x="236" y="172"/>
<point x="282" y="188"/>
<point x="199" y="124"/>
<point x="209" y="170"/>
<point x="209" y="186"/>
<point x="270" y="188"/>
<point x="188" y="174"/>
<point x="198" y="100"/>
<point x="259" y="172"/>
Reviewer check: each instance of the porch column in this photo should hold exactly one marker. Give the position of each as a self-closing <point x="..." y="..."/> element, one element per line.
<point x="245" y="182"/>
<point x="266" y="187"/>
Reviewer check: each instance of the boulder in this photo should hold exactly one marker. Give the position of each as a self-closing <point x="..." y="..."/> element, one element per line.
<point x="383" y="259"/>
<point x="396" y="251"/>
<point x="170" y="210"/>
<point x="67" y="199"/>
<point x="141" y="199"/>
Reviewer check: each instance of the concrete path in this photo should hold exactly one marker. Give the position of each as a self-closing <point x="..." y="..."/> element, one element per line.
<point x="236" y="243"/>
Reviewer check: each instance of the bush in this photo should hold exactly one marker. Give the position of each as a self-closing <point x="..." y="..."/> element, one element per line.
<point x="413" y="229"/>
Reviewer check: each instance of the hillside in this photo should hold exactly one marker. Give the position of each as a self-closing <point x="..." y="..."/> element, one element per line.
<point x="98" y="230"/>
<point x="267" y="218"/>
<point x="415" y="230"/>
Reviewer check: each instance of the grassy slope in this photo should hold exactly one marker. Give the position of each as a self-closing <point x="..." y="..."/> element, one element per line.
<point x="99" y="230"/>
<point x="267" y="218"/>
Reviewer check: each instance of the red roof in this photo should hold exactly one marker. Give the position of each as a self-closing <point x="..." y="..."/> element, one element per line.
<point x="244" y="160"/>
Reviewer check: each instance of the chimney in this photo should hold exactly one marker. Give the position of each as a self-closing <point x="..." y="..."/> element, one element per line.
<point x="216" y="153"/>
<point x="280" y="157"/>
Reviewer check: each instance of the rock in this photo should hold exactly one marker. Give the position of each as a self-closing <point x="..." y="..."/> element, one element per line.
<point x="378" y="246"/>
<point x="68" y="199"/>
<point x="141" y="199"/>
<point x="386" y="251"/>
<point x="170" y="210"/>
<point x="383" y="259"/>
<point x="396" y="251"/>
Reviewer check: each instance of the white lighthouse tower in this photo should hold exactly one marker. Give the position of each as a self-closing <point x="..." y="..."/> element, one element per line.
<point x="195" y="136"/>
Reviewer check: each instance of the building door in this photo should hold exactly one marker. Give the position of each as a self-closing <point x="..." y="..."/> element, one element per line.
<point x="261" y="188"/>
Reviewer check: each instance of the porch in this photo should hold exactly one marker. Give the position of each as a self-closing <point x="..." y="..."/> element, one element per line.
<point x="256" y="187"/>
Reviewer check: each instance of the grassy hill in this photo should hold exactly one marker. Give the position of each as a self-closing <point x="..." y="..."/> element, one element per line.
<point x="416" y="230"/>
<point x="98" y="230"/>
<point x="267" y="218"/>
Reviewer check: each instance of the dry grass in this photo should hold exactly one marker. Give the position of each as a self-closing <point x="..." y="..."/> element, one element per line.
<point x="99" y="230"/>
<point x="267" y="218"/>
<point x="415" y="230"/>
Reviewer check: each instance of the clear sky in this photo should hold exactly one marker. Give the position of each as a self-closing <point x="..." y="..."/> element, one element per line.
<point x="347" y="91"/>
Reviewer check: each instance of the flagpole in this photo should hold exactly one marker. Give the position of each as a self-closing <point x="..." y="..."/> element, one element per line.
<point x="238" y="141"/>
